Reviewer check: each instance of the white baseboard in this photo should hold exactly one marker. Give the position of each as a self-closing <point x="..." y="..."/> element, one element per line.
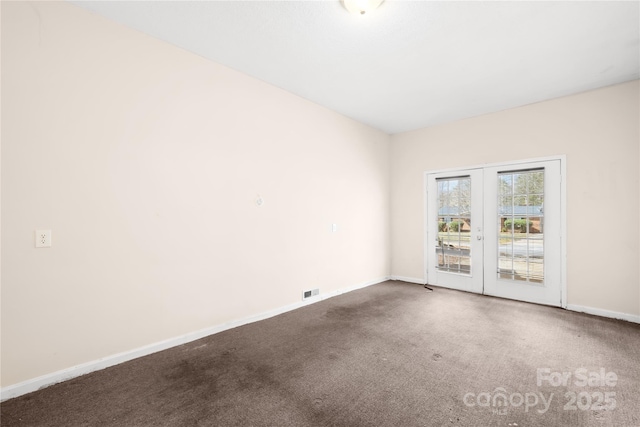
<point x="47" y="380"/>
<point x="572" y="307"/>
<point x="408" y="279"/>
<point x="605" y="313"/>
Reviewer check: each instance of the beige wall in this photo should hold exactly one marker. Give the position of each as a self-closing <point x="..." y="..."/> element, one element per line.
<point x="146" y="161"/>
<point x="598" y="131"/>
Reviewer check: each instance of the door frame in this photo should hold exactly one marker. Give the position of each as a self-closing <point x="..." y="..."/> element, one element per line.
<point x="563" y="211"/>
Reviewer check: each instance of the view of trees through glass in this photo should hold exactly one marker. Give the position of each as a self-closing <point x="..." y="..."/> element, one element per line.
<point x="454" y="225"/>
<point x="521" y="225"/>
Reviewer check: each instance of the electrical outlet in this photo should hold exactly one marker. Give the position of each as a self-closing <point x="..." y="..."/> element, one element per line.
<point x="43" y="238"/>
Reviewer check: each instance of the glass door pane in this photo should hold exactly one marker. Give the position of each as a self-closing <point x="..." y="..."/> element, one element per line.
<point x="520" y="217"/>
<point x="453" y="247"/>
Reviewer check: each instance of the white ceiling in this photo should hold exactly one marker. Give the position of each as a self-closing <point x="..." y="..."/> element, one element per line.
<point x="411" y="64"/>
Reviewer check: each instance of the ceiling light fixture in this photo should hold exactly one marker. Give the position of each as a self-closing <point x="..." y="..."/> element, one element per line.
<point x="361" y="7"/>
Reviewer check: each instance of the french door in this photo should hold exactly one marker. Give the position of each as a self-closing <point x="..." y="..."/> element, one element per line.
<point x="496" y="230"/>
<point x="455" y="229"/>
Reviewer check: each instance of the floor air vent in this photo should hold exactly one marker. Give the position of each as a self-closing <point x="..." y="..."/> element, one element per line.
<point x="310" y="293"/>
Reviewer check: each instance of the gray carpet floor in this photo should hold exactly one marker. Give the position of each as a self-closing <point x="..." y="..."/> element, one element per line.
<point x="392" y="354"/>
